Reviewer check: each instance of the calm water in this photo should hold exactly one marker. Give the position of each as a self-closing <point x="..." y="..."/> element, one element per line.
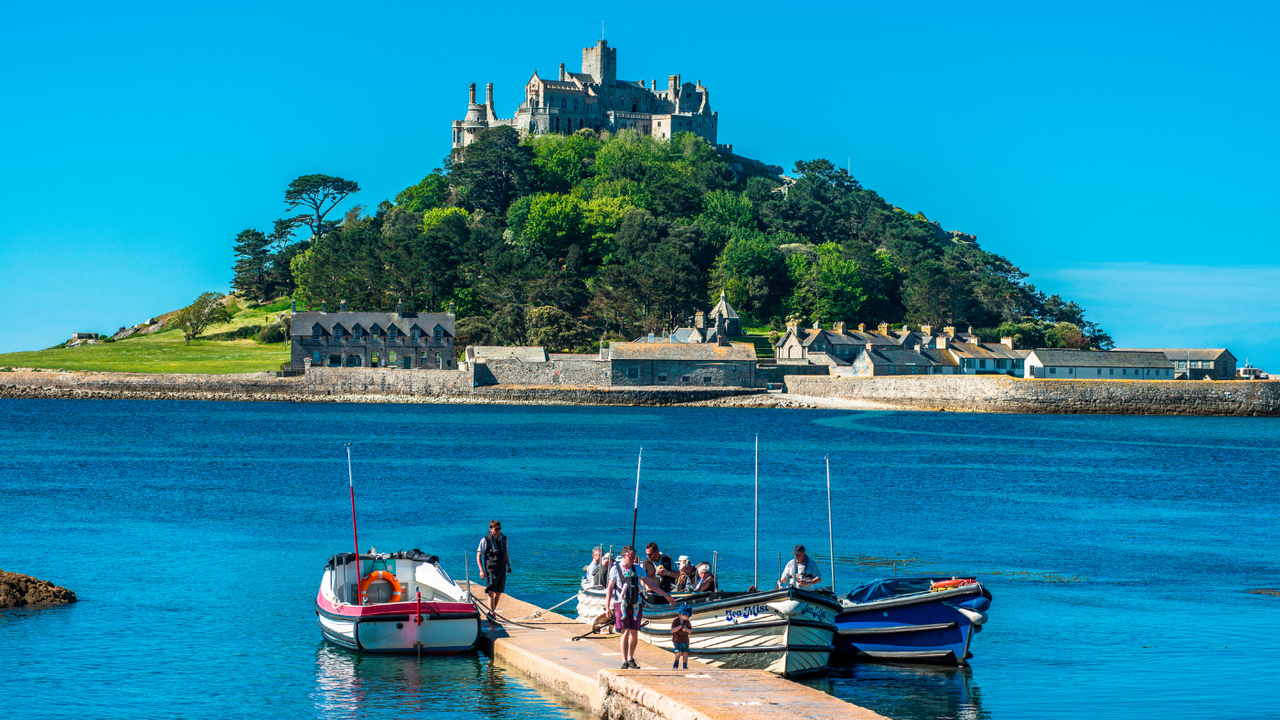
<point x="1119" y="549"/>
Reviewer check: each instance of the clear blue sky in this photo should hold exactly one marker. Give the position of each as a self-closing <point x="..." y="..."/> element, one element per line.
<point x="1124" y="154"/>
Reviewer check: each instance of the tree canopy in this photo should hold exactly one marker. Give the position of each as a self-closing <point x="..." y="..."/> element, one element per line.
<point x="564" y="239"/>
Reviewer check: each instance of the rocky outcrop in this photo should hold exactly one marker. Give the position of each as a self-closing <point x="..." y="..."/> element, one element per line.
<point x="17" y="590"/>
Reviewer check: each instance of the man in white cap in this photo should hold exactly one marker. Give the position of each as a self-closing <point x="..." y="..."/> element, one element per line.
<point x="600" y="575"/>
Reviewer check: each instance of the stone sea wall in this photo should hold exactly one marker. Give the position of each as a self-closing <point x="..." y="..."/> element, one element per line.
<point x="967" y="393"/>
<point x="376" y="385"/>
<point x="510" y="371"/>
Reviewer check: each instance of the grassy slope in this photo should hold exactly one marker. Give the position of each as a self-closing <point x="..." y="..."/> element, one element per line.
<point x="165" y="352"/>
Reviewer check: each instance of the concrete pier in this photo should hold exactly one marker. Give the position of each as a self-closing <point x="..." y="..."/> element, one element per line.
<point x="587" y="672"/>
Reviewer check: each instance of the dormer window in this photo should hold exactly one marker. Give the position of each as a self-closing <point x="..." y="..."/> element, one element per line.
<point x="439" y="333"/>
<point x="316" y="331"/>
<point x="415" y="334"/>
<point x="358" y="333"/>
<point x="392" y="332"/>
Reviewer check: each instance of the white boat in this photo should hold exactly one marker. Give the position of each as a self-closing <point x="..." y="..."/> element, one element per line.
<point x="410" y="605"/>
<point x="788" y="632"/>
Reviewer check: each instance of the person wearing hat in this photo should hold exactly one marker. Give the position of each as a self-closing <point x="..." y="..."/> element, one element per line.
<point x="801" y="571"/>
<point x="680" y="629"/>
<point x="600" y="575"/>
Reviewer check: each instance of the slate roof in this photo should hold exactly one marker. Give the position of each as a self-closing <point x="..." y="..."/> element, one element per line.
<point x="722" y="308"/>
<point x="1102" y="358"/>
<point x="985" y="351"/>
<point x="901" y="357"/>
<point x="681" y="351"/>
<point x="1181" y="354"/>
<point x="501" y="352"/>
<point x="303" y="322"/>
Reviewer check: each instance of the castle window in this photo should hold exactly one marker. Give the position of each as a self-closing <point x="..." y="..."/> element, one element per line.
<point x="563" y="102"/>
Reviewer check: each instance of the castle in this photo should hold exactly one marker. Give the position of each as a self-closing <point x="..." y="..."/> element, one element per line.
<point x="595" y="98"/>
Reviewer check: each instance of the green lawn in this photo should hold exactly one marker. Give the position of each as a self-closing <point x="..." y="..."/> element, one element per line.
<point x="165" y="352"/>
<point x="764" y="347"/>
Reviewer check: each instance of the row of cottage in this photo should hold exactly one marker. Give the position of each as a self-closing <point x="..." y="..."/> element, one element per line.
<point x="703" y="355"/>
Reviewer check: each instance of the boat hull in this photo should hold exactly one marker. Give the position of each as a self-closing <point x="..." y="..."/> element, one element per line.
<point x="928" y="627"/>
<point x="788" y="632"/>
<point x="398" y="632"/>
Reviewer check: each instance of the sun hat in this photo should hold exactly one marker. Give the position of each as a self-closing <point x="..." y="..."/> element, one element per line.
<point x="684" y="560"/>
<point x="607" y="556"/>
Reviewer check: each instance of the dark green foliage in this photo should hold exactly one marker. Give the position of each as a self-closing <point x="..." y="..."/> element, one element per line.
<point x="252" y="264"/>
<point x="319" y="194"/>
<point x="559" y="240"/>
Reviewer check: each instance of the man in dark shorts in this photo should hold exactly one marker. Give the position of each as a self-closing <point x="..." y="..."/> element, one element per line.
<point x="625" y="579"/>
<point x="494" y="564"/>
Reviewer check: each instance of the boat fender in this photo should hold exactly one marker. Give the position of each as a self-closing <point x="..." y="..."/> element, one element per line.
<point x="785" y="608"/>
<point x="976" y="617"/>
<point x="979" y="604"/>
<point x="396" y="590"/>
<point x="952" y="583"/>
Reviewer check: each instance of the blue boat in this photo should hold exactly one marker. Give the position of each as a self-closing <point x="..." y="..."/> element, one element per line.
<point x="911" y="620"/>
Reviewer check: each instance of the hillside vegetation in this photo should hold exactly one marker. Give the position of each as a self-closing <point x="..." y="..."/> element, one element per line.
<point x="561" y="240"/>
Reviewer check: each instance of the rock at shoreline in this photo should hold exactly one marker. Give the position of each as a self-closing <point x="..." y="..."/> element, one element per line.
<point x="17" y="590"/>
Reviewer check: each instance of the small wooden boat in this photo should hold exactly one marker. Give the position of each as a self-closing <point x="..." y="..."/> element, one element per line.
<point x="911" y="620"/>
<point x="788" y="632"/>
<point x="410" y="605"/>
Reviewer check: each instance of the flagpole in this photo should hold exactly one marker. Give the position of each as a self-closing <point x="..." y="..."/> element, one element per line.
<point x="351" y="483"/>
<point x="755" y="554"/>
<point x="831" y="538"/>
<point x="635" y="512"/>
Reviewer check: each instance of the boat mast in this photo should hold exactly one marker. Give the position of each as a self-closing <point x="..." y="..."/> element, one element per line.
<point x="755" y="552"/>
<point x="635" y="511"/>
<point x="831" y="538"/>
<point x="354" y="535"/>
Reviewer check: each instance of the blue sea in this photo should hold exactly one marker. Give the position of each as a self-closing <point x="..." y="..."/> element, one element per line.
<point x="1119" y="550"/>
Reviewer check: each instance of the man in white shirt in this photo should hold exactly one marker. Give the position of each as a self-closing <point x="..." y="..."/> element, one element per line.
<point x="625" y="579"/>
<point x="801" y="571"/>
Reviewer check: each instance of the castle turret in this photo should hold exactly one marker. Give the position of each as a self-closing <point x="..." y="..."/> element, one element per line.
<point x="601" y="63"/>
<point x="476" y="120"/>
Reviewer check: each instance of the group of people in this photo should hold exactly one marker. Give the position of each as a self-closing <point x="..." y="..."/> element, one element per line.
<point x="682" y="576"/>
<point x="623" y="576"/>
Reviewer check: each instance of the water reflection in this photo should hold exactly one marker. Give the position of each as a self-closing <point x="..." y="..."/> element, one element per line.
<point x="905" y="692"/>
<point x="393" y="686"/>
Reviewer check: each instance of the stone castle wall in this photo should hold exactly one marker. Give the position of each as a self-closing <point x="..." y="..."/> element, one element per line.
<point x="510" y="371"/>
<point x="970" y="393"/>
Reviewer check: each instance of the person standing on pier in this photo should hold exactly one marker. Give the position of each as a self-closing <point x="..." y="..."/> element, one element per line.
<point x="494" y="564"/>
<point x="625" y="579"/>
<point x="659" y="566"/>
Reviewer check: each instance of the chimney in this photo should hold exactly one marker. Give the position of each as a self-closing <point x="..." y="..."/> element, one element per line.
<point x="324" y="307"/>
<point x="603" y="345"/>
<point x="722" y="333"/>
<point x="870" y="347"/>
<point x="450" y="308"/>
<point x="884" y="328"/>
<point x="673" y="88"/>
<point x="293" y="307"/>
<point x="650" y="337"/>
<point x="488" y="93"/>
<point x="970" y="329"/>
<point x="1007" y="342"/>
<point x="862" y="327"/>
<point x="793" y="325"/>
<point x="920" y="349"/>
<point x="926" y="330"/>
<point x="471" y="94"/>
<point x="950" y="331"/>
<point x="342" y="307"/>
<point x="653" y="85"/>
<point x="816" y="326"/>
<point x="399" y="307"/>
<point x="837" y="328"/>
<point x="562" y="71"/>
<point x="942" y="342"/>
<point x="700" y="320"/>
<point x="905" y="328"/>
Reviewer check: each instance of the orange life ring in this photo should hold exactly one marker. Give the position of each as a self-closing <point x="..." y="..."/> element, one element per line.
<point x="397" y="591"/>
<point x="953" y="583"/>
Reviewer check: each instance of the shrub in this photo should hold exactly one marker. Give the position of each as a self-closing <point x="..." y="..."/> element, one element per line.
<point x="271" y="334"/>
<point x="282" y="304"/>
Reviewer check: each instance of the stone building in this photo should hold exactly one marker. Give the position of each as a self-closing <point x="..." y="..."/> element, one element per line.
<point x="920" y="360"/>
<point x="673" y="363"/>
<point x="595" y="98"/>
<point x="1098" y="365"/>
<point x="1198" y="364"/>
<point x="979" y="358"/>
<point x="372" y="339"/>
<point x="723" y="322"/>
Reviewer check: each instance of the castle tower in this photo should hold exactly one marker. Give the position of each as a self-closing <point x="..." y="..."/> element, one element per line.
<point x="476" y="121"/>
<point x="601" y="63"/>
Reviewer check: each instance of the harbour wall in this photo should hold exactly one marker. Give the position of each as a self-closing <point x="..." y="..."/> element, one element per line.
<point x="1000" y="394"/>
<point x="376" y="385"/>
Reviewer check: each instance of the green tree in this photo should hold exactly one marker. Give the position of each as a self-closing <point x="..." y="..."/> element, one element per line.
<point x="837" y="286"/>
<point x="494" y="170"/>
<point x="319" y="194"/>
<point x="431" y="193"/>
<point x="252" y="267"/>
<point x="208" y="309"/>
<point x="555" y="329"/>
<point x="554" y="223"/>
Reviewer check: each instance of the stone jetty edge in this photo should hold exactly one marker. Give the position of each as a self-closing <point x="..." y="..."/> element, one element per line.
<point x="957" y="393"/>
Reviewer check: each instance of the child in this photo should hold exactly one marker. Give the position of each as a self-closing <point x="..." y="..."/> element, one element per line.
<point x="680" y="629"/>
